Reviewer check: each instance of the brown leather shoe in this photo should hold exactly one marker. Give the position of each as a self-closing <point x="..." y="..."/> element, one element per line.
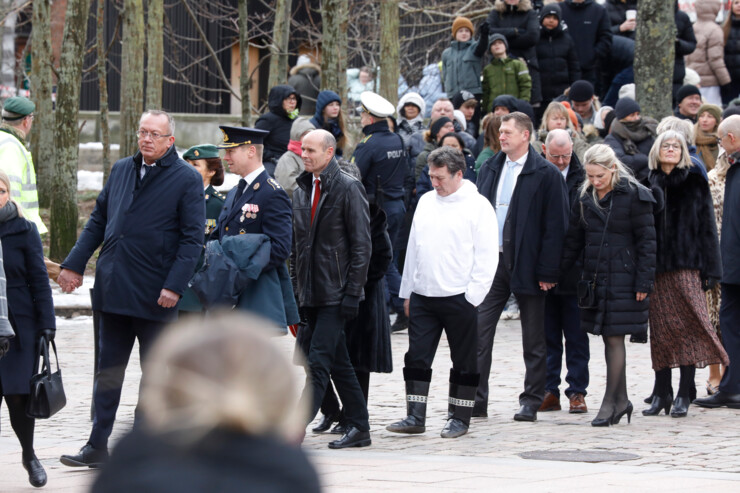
<point x="551" y="403"/>
<point x="578" y="404"/>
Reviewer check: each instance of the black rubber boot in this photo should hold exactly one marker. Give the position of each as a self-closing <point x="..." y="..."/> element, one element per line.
<point x="417" y="390"/>
<point x="462" y="399"/>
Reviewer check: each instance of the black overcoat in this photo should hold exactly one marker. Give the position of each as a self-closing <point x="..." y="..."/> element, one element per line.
<point x="626" y="265"/>
<point x="30" y="306"/>
<point x="536" y="222"/>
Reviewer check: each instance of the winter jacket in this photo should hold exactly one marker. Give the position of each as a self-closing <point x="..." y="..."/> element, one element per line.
<point x="520" y="25"/>
<point x="30" y="305"/>
<point x="730" y="238"/>
<point x="6" y="330"/>
<point x="536" y="222"/>
<point x="355" y="87"/>
<point x="406" y="128"/>
<point x="626" y="265"/>
<point x="505" y="76"/>
<point x="685" y="45"/>
<point x="709" y="57"/>
<point x="686" y="230"/>
<point x="382" y="161"/>
<point x="290" y="164"/>
<point x="589" y="26"/>
<point x="461" y="65"/>
<point x="322" y="101"/>
<point x="617" y="10"/>
<point x="278" y="123"/>
<point x="306" y="80"/>
<point x="331" y="255"/>
<point x="633" y="152"/>
<point x="557" y="56"/>
<point x="732" y="50"/>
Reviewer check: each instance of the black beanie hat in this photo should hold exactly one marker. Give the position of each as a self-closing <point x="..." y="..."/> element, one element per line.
<point x="625" y="107"/>
<point x="686" y="91"/>
<point x="581" y="90"/>
<point x="438" y="124"/>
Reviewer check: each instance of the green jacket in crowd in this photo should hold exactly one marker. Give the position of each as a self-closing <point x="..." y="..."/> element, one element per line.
<point x="505" y="76"/>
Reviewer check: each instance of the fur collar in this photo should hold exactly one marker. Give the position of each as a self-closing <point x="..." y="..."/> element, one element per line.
<point x="677" y="177"/>
<point x="523" y="6"/>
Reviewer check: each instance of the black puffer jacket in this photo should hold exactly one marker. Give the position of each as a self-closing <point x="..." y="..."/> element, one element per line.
<point x="617" y="10"/>
<point x="685" y="45"/>
<point x="520" y="25"/>
<point x="626" y="265"/>
<point x="277" y="122"/>
<point x="556" y="53"/>
<point x="686" y="231"/>
<point x="732" y="50"/>
<point x="590" y="29"/>
<point x="330" y="256"/>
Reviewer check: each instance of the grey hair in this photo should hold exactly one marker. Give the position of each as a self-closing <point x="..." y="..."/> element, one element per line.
<point x="654" y="156"/>
<point x="560" y="136"/>
<point x="604" y="156"/>
<point x="684" y="127"/>
<point x="447" y="157"/>
<point x="170" y="120"/>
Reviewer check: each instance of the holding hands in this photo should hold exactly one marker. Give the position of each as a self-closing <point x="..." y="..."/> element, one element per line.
<point x="69" y="280"/>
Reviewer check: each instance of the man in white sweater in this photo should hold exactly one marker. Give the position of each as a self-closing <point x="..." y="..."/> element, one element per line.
<point x="451" y="259"/>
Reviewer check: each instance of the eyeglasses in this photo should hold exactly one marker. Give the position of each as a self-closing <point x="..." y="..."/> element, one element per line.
<point x="564" y="157"/>
<point x="143" y="134"/>
<point x="719" y="140"/>
<point x="291" y="98"/>
<point x="670" y="146"/>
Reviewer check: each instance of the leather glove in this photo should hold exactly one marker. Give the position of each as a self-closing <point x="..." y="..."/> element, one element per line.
<point x="48" y="334"/>
<point x="708" y="283"/>
<point x="483" y="29"/>
<point x="350" y="306"/>
<point x="4" y="345"/>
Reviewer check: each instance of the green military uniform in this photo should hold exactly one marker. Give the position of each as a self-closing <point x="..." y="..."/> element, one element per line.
<point x="214" y="204"/>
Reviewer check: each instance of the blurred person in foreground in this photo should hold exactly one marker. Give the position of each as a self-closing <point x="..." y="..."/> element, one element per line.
<point x="221" y="414"/>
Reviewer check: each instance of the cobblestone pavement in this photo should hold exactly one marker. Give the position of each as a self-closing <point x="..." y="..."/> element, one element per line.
<point x="700" y="451"/>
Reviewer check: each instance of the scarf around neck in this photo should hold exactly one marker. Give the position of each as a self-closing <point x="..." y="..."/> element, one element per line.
<point x="635" y="132"/>
<point x="10" y="211"/>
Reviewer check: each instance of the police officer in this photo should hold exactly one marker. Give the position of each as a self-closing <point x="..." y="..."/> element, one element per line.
<point x="258" y="204"/>
<point x="206" y="161"/>
<point x="381" y="159"/>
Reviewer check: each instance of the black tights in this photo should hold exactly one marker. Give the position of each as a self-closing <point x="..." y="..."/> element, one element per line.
<point x="663" y="386"/>
<point x="615" y="395"/>
<point x="22" y="425"/>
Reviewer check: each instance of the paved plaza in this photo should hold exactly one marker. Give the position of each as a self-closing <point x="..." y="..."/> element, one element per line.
<point x="698" y="453"/>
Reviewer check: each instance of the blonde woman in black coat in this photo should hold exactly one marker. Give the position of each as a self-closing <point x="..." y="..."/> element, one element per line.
<point x="611" y="232"/>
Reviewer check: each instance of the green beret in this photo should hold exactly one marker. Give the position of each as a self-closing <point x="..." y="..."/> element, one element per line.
<point x="17" y="107"/>
<point x="202" y="151"/>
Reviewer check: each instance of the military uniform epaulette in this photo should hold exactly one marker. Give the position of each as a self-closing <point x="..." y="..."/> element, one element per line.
<point x="274" y="184"/>
<point x="219" y="195"/>
<point x="366" y="139"/>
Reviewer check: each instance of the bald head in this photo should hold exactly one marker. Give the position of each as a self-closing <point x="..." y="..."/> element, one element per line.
<point x="317" y="150"/>
<point x="558" y="148"/>
<point x="443" y="107"/>
<point x="729" y="133"/>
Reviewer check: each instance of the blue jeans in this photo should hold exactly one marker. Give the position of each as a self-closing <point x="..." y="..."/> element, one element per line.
<point x="562" y="320"/>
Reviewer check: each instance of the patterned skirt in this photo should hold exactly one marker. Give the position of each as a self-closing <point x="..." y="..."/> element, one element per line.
<point x="680" y="332"/>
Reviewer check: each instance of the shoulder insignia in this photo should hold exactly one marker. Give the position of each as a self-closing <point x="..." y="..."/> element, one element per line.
<point x="366" y="139"/>
<point x="256" y="186"/>
<point x="274" y="184"/>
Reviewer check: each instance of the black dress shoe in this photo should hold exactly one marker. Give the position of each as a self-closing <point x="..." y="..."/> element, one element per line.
<point x="680" y="407"/>
<point x="36" y="473"/>
<point x="325" y="422"/>
<point x="718" y="400"/>
<point x="86" y="457"/>
<point x="339" y="429"/>
<point x="526" y="413"/>
<point x="353" y="438"/>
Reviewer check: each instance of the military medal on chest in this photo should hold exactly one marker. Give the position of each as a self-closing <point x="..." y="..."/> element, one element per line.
<point x="249" y="211"/>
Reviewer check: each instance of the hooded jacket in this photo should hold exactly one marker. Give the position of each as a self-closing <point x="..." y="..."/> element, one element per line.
<point x="306" y="79"/>
<point x="406" y="127"/>
<point x="290" y="164"/>
<point x="322" y="101"/>
<point x="589" y="26"/>
<point x="506" y="76"/>
<point x="556" y="52"/>
<point x="709" y="57"/>
<point x="461" y="64"/>
<point x="278" y="123"/>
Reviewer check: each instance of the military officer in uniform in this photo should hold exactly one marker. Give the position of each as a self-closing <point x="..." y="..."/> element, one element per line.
<point x="258" y="204"/>
<point x="383" y="164"/>
<point x="206" y="161"/>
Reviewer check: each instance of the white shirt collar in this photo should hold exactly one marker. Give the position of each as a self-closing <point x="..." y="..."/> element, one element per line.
<point x="520" y="161"/>
<point x="253" y="175"/>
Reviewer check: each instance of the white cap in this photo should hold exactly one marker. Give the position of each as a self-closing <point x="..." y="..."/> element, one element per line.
<point x="376" y="104"/>
<point x="460" y="119"/>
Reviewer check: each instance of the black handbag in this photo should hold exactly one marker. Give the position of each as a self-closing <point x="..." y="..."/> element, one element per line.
<point x="586" y="288"/>
<point x="47" y="392"/>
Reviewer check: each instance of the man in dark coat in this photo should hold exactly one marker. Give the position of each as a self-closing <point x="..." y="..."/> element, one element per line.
<point x="529" y="196"/>
<point x="729" y="311"/>
<point x="284" y="104"/>
<point x="589" y="26"/>
<point x="329" y="263"/>
<point x="557" y="55"/>
<point x="149" y="218"/>
<point x="562" y="315"/>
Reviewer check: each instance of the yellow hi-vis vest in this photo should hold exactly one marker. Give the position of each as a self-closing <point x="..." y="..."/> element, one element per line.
<point x="17" y="163"/>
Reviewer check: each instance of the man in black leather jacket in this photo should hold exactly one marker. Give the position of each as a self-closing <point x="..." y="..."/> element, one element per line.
<point x="329" y="262"/>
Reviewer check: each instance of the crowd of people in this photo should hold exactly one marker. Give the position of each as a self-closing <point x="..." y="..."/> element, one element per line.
<point x="521" y="197"/>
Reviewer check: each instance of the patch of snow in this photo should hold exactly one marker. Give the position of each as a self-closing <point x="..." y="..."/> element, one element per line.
<point x="89" y="180"/>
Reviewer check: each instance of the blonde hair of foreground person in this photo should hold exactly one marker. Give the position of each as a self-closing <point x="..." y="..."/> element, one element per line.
<point x="221" y="372"/>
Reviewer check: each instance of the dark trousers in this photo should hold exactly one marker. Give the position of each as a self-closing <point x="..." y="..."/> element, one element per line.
<point x="532" y="313"/>
<point x="428" y="317"/>
<point x="395" y="212"/>
<point x="117" y="336"/>
<point x="328" y="358"/>
<point x="729" y="322"/>
<point x="563" y="321"/>
<point x="330" y="404"/>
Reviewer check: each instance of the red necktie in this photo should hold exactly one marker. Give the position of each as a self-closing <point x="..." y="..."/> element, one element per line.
<point x="316" y="196"/>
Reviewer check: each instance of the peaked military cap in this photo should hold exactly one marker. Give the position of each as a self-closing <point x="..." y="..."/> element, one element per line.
<point x="376" y="104"/>
<point x="17" y="107"/>
<point x="202" y="151"/>
<point x="239" y="136"/>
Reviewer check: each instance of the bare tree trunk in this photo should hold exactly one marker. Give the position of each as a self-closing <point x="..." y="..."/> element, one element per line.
<point x="655" y="56"/>
<point x="42" y="81"/>
<point x="279" y="48"/>
<point x="103" y="88"/>
<point x="63" y="230"/>
<point x="245" y="83"/>
<point x="389" y="60"/>
<point x="334" y="47"/>
<point x="155" y="54"/>
<point x="132" y="74"/>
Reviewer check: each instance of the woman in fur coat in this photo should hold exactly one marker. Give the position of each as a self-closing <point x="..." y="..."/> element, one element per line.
<point x="688" y="261"/>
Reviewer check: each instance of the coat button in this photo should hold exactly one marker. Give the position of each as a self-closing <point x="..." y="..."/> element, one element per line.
<point x="121" y="236"/>
<point x="226" y="228"/>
